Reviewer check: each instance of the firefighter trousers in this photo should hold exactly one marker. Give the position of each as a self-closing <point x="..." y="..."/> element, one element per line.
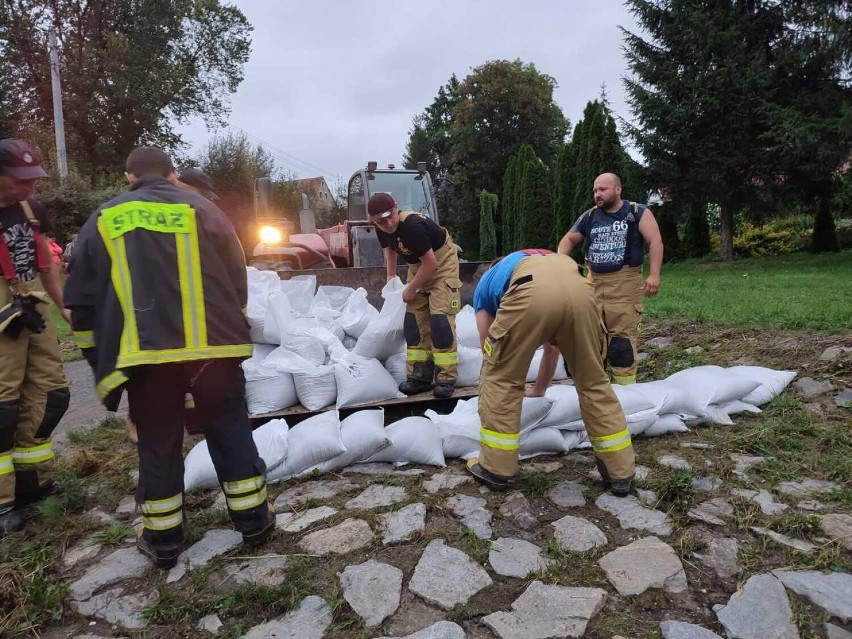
<point x="620" y="296"/>
<point x="157" y="400"/>
<point x="548" y="301"/>
<point x="34" y="396"/>
<point x="430" y="320"/>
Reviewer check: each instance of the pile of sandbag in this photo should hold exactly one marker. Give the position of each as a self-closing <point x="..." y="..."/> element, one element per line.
<point x="321" y="346"/>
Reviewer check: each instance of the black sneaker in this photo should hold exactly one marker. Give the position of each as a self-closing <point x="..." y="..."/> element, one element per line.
<point x="162" y="556"/>
<point x="444" y="390"/>
<point x="50" y="489"/>
<point x="11" y="522"/>
<point x="495" y="482"/>
<point x="618" y="487"/>
<point x="414" y="386"/>
<point x="257" y="537"/>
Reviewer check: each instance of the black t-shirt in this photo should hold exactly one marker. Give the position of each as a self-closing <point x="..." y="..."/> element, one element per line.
<point x="18" y="235"/>
<point x="414" y="236"/>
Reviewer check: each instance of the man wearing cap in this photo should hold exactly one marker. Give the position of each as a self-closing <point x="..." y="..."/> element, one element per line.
<point x="157" y="292"/>
<point x="528" y="298"/>
<point x="33" y="389"/>
<point x="431" y="294"/>
<point x="197" y="181"/>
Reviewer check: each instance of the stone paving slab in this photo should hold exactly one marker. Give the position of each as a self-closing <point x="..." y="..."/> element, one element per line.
<point x="115" y="608"/>
<point x="712" y="512"/>
<point x="211" y="545"/>
<point x="473" y="514"/>
<point x="309" y="621"/>
<point x="806" y="487"/>
<point x="632" y="514"/>
<point x="682" y="630"/>
<point x="81" y="551"/>
<point x="515" y="557"/>
<point x="719" y="555"/>
<point x="742" y="463"/>
<point x="543" y="612"/>
<point x="296" y="522"/>
<point x="759" y="610"/>
<point x="440" y="630"/>
<point x="643" y="564"/>
<point x="377" y="496"/>
<point x="402" y="524"/>
<point x="446" y="576"/>
<point x="568" y="494"/>
<point x="707" y="484"/>
<point x="382" y="468"/>
<point x="264" y="571"/>
<point x="516" y="507"/>
<point x="838" y="526"/>
<point x="372" y="589"/>
<point x="832" y="592"/>
<point x="677" y="462"/>
<point x="210" y="624"/>
<point x="125" y="563"/>
<point x="762" y="498"/>
<point x="323" y="489"/>
<point x="577" y="534"/>
<point x="796" y="544"/>
<point x="345" y="537"/>
<point x="445" y="481"/>
<point x="834" y="632"/>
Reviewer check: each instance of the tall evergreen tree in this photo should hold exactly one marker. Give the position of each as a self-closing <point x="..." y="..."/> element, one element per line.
<point x="696" y="229"/>
<point x="535" y="219"/>
<point x="487" y="233"/>
<point x="563" y="193"/>
<point x="526" y="154"/>
<point x="508" y="213"/>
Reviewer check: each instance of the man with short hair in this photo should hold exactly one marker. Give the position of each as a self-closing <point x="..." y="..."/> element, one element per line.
<point x="431" y="294"/>
<point x="156" y="294"/>
<point x="34" y="392"/>
<point x="616" y="234"/>
<point x="528" y="298"/>
<point x="197" y="181"/>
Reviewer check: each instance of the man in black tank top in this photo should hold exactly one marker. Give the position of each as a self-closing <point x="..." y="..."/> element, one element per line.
<point x="431" y="294"/>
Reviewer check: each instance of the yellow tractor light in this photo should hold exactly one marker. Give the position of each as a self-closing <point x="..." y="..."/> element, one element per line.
<point x="271" y="235"/>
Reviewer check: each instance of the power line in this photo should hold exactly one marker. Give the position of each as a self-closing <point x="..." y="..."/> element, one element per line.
<point x="289" y="158"/>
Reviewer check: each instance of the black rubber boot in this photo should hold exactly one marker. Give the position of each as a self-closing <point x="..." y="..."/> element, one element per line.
<point x="444" y="390"/>
<point x="495" y="482"/>
<point x="618" y="487"/>
<point x="10" y="521"/>
<point x="413" y="386"/>
<point x="257" y="537"/>
<point x="50" y="489"/>
<point x="164" y="554"/>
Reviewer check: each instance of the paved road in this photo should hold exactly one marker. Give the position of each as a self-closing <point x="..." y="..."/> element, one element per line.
<point x="84" y="410"/>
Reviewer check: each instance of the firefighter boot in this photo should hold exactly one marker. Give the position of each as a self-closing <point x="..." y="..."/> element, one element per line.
<point x="165" y="552"/>
<point x="495" y="482"/>
<point x="618" y="487"/>
<point x="444" y="390"/>
<point x="259" y="536"/>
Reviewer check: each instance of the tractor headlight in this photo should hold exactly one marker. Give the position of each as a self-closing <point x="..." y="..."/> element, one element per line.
<point x="271" y="235"/>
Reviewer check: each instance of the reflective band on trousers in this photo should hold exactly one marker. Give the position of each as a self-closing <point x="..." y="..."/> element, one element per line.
<point x="6" y="465"/>
<point x="154" y="506"/>
<point x="249" y="501"/>
<point x="417" y="355"/>
<point x="163" y="523"/>
<point x="84" y="339"/>
<point x="243" y="485"/>
<point x="33" y="454"/>
<point x="501" y="441"/>
<point x="611" y="443"/>
<point x="445" y="359"/>
<point x="624" y="380"/>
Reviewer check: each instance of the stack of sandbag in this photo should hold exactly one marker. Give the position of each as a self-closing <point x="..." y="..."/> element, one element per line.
<point x="267" y="389"/>
<point x="261" y="284"/>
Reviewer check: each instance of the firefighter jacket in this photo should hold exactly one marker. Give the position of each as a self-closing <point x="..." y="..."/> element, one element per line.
<point x="158" y="276"/>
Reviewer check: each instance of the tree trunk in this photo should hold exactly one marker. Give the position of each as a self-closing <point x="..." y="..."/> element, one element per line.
<point x="824" y="235"/>
<point x="726" y="232"/>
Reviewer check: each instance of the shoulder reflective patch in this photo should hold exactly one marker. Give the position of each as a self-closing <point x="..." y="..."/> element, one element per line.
<point x="151" y="216"/>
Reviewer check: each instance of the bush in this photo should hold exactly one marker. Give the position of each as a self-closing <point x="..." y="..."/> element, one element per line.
<point x="70" y="203"/>
<point x="768" y="240"/>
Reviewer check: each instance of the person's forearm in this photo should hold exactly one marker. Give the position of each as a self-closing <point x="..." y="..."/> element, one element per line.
<point x="655" y="255"/>
<point x="390" y="262"/>
<point x="52" y="281"/>
<point x="424" y="274"/>
<point x="565" y="246"/>
<point x="546" y="369"/>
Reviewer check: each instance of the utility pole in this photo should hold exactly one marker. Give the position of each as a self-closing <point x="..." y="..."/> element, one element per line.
<point x="58" y="118"/>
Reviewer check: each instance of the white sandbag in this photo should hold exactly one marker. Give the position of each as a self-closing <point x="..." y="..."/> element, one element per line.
<point x="640" y="421"/>
<point x="357" y="314"/>
<point x="271" y="440"/>
<point x="310" y="443"/>
<point x="470" y="362"/>
<point x="533" y="411"/>
<point x="414" y="440"/>
<point x="668" y="423"/>
<point x="771" y="383"/>
<point x="559" y="374"/>
<point x="296" y="333"/>
<point x="300" y="291"/>
<point x="349" y="342"/>
<point x="397" y="366"/>
<point x="467" y="334"/>
<point x="574" y="439"/>
<point x="384" y="335"/>
<point x="261" y="284"/>
<point x="332" y="298"/>
<point x="363" y="434"/>
<point x="267" y="390"/>
<point x="315" y="385"/>
<point x="543" y="440"/>
<point x="360" y="380"/>
<point x="459" y="434"/>
<point x="566" y="407"/>
<point x="736" y="407"/>
<point x="639" y="410"/>
<point x="710" y="385"/>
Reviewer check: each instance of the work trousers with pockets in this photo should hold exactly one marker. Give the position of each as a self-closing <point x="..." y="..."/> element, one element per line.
<point x="157" y="400"/>
<point x="430" y="320"/>
<point x="34" y="396"/>
<point x="620" y="295"/>
<point x="548" y="301"/>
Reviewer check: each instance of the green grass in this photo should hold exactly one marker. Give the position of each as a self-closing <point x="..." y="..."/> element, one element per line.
<point x="792" y="291"/>
<point x="64" y="334"/>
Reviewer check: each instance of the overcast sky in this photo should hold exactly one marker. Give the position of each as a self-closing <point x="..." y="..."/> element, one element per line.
<point x="333" y="84"/>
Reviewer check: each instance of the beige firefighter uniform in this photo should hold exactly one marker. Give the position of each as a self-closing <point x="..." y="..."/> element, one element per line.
<point x="430" y="319"/>
<point x="621" y="295"/>
<point x="548" y="301"/>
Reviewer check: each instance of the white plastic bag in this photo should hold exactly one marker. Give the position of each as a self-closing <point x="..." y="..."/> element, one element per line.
<point x="558" y="374"/>
<point x="300" y="291"/>
<point x="711" y="385"/>
<point x="735" y="407"/>
<point x="668" y="423"/>
<point x="310" y="443"/>
<point x="315" y="385"/>
<point x="574" y="439"/>
<point x="267" y="390"/>
<point x="397" y="366"/>
<point x="360" y="380"/>
<point x="566" y="406"/>
<point x="470" y="362"/>
<point x="772" y="383"/>
<point x="467" y="334"/>
<point x="363" y="434"/>
<point x="384" y="335"/>
<point x="333" y="298"/>
<point x="543" y="440"/>
<point x="413" y="440"/>
<point x="357" y="314"/>
<point x="261" y="284"/>
<point x="271" y="440"/>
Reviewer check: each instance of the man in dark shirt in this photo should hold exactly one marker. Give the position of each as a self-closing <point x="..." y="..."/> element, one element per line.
<point x="431" y="294"/>
<point x="33" y="389"/>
